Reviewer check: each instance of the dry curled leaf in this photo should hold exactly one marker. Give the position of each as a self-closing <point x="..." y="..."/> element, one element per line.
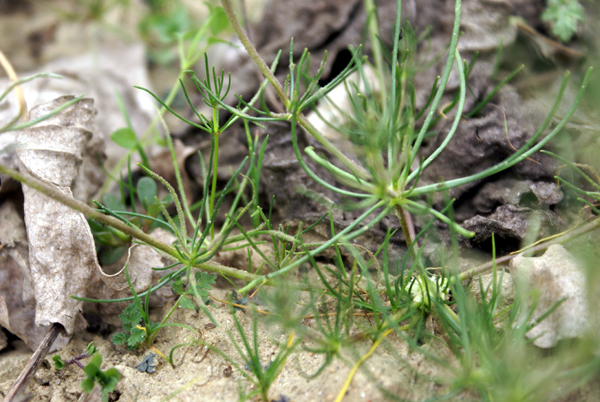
<point x="554" y="276"/>
<point x="17" y="302"/>
<point x="61" y="251"/>
<point x="58" y="259"/>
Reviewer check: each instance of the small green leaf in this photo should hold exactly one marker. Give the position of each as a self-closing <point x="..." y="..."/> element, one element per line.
<point x="177" y="286"/>
<point x="218" y="21"/>
<point x="88" y="385"/>
<point x="58" y="362"/>
<point x="95" y="227"/>
<point x="137" y="336"/>
<point x="91" y="349"/>
<point x="124" y="137"/>
<point x="564" y="17"/>
<point x="113" y="378"/>
<point x="146" y="191"/>
<point x="131" y="317"/>
<point x="120" y="338"/>
<point x="113" y="202"/>
<point x="186" y="303"/>
<point x="205" y="280"/>
<point x="93" y="367"/>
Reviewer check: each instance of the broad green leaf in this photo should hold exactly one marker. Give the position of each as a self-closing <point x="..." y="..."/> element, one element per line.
<point x="124" y="137"/>
<point x="113" y="378"/>
<point x="113" y="202"/>
<point x="146" y="191"/>
<point x="88" y="385"/>
<point x="219" y="21"/>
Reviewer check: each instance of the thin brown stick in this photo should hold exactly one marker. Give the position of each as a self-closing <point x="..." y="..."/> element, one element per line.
<point x="571" y="235"/>
<point x="34" y="362"/>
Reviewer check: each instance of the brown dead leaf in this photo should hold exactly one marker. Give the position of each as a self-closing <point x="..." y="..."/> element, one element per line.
<point x="17" y="303"/>
<point x="61" y="251"/>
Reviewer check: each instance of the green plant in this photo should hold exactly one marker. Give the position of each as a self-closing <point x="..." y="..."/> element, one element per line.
<point x="384" y="127"/>
<point x="394" y="296"/>
<point x="59" y="364"/>
<point x="136" y="314"/>
<point x="262" y="376"/>
<point x="111" y="243"/>
<point x="564" y="17"/>
<point x="107" y="380"/>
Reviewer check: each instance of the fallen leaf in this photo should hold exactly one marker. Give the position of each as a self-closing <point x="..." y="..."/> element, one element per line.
<point x="61" y="254"/>
<point x="17" y="302"/>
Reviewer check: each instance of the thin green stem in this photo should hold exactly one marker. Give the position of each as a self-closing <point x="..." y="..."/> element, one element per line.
<point x="186" y="207"/>
<point x="441" y="88"/>
<point x="519" y="156"/>
<point x="373" y="29"/>
<point x="461" y="104"/>
<point x="213" y="191"/>
<point x="239" y="31"/>
<point x="344" y="234"/>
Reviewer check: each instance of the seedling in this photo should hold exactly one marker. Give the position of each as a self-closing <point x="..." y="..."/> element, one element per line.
<point x="112" y="244"/>
<point x="262" y="376"/>
<point x="59" y="364"/>
<point x="107" y="380"/>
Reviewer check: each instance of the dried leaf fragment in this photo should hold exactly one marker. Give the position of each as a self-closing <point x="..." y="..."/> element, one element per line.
<point x="61" y="250"/>
<point x="554" y="276"/>
<point x="59" y="238"/>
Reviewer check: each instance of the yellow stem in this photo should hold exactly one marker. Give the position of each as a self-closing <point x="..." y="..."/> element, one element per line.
<point x="358" y="363"/>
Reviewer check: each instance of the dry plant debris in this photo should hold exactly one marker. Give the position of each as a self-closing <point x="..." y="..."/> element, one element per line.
<point x="61" y="259"/>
